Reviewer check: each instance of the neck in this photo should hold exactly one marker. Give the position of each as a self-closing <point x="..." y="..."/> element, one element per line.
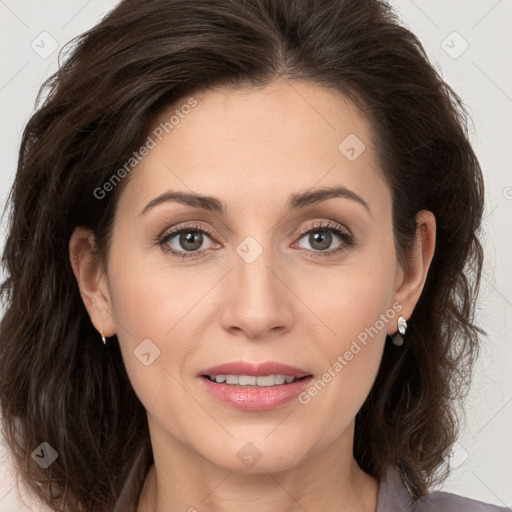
<point x="327" y="481"/>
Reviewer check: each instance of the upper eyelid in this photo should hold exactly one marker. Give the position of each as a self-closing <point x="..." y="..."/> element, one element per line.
<point x="329" y="225"/>
<point x="340" y="231"/>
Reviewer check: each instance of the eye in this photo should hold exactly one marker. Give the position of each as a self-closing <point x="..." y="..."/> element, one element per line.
<point x="188" y="241"/>
<point x="189" y="238"/>
<point x="320" y="238"/>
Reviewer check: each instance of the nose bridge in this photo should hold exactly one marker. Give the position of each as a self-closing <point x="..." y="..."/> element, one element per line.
<point x="253" y="264"/>
<point x="258" y="255"/>
<point x="256" y="301"/>
<point x="255" y="250"/>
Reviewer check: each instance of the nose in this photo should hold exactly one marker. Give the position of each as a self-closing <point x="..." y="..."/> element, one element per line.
<point x="258" y="298"/>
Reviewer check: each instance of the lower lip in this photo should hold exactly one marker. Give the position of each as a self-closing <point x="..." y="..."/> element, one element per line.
<point x="252" y="398"/>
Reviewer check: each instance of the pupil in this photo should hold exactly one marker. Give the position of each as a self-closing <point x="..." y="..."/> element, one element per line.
<point x="191" y="237"/>
<point x="324" y="239"/>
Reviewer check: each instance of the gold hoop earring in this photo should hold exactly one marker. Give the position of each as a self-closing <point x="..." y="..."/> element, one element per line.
<point x="103" y="338"/>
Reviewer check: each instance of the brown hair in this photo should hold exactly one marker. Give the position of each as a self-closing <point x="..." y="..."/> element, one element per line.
<point x="60" y="385"/>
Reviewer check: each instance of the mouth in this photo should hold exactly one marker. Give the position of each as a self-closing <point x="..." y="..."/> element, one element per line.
<point x="255" y="387"/>
<point x="253" y="380"/>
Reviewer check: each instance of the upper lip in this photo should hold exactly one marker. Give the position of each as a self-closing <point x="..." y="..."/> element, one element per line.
<point x="255" y="369"/>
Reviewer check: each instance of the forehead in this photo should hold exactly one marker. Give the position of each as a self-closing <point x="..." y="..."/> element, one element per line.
<point x="252" y="142"/>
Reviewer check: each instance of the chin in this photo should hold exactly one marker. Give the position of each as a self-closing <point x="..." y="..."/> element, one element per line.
<point x="256" y="454"/>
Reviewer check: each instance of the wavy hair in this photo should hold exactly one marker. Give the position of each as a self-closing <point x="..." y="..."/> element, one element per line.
<point x="60" y="385"/>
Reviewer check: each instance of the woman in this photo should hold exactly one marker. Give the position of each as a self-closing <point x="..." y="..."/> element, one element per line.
<point x="238" y="265"/>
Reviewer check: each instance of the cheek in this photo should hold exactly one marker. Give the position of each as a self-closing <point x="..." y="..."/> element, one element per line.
<point x="354" y="304"/>
<point x="149" y="312"/>
<point x="351" y="356"/>
<point x="148" y="299"/>
<point x="350" y="300"/>
<point x="354" y="349"/>
<point x="154" y="345"/>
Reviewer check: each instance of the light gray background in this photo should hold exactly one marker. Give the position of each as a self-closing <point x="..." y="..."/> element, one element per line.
<point x="481" y="75"/>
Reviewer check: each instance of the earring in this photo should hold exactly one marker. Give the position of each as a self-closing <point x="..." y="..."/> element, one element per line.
<point x="103" y="339"/>
<point x="398" y="339"/>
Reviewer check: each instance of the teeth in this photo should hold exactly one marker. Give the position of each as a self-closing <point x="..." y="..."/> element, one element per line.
<point x="251" y="380"/>
<point x="246" y="380"/>
<point x="231" y="379"/>
<point x="266" y="380"/>
<point x="279" y="379"/>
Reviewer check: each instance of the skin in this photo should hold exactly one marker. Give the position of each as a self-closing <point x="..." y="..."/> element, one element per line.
<point x="251" y="149"/>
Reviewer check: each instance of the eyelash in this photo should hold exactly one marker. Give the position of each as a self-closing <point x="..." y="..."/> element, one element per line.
<point x="345" y="236"/>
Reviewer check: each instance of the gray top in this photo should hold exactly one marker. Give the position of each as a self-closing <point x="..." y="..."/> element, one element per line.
<point x="393" y="497"/>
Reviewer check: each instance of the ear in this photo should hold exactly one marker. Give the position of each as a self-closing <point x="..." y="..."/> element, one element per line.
<point x="410" y="281"/>
<point x="92" y="280"/>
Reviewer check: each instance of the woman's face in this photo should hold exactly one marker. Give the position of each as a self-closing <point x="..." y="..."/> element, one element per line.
<point x="254" y="290"/>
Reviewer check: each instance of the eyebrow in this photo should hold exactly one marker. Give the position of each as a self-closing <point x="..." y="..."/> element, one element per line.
<point x="296" y="201"/>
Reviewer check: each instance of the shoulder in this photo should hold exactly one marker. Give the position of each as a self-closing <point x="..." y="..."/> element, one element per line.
<point x="440" y="501"/>
<point x="393" y="497"/>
